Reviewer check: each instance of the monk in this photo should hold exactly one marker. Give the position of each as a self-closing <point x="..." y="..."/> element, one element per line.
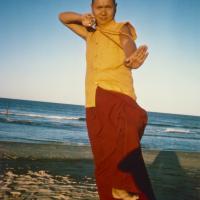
<point x="115" y="121"/>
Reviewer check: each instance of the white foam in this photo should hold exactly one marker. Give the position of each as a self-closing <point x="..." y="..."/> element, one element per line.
<point x="177" y="130"/>
<point x="41" y="116"/>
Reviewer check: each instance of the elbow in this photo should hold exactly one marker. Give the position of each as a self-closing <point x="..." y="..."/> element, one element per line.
<point x="68" y="17"/>
<point x="61" y="17"/>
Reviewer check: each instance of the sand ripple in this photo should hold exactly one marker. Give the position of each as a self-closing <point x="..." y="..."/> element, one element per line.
<point x="42" y="185"/>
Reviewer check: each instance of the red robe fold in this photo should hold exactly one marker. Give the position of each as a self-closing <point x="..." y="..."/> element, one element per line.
<point x="115" y="128"/>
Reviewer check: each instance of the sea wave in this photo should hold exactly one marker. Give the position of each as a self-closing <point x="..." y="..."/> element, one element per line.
<point x="174" y="126"/>
<point x="176" y="130"/>
<point x="56" y="125"/>
<point x="177" y="137"/>
<point x="46" y="141"/>
<point x="160" y="124"/>
<point x="33" y="115"/>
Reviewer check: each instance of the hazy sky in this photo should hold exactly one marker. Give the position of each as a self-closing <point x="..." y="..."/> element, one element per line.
<point x="40" y="59"/>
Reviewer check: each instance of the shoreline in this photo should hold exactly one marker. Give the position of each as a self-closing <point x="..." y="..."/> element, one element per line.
<point x="14" y="150"/>
<point x="67" y="172"/>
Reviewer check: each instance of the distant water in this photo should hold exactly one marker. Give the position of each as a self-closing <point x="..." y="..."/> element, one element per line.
<point x="42" y="122"/>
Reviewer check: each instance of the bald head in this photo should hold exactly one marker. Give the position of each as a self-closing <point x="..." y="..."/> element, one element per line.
<point x="114" y="1"/>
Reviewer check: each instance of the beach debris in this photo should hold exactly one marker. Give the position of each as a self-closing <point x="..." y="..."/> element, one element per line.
<point x="10" y="174"/>
<point x="15" y="194"/>
<point x="40" y="173"/>
<point x="36" y="185"/>
<point x="61" y="197"/>
<point x="8" y="156"/>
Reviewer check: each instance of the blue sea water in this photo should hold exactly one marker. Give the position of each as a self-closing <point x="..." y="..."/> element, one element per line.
<point x="43" y="122"/>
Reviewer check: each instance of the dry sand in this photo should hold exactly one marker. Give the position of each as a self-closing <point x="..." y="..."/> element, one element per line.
<point x="42" y="185"/>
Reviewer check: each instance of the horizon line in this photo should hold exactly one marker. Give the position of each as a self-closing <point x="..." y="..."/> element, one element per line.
<point x="45" y="101"/>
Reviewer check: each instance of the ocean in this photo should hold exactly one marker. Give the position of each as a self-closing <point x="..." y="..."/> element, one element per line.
<point x="26" y="121"/>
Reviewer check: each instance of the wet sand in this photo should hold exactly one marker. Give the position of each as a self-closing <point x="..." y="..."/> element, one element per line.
<point x="52" y="171"/>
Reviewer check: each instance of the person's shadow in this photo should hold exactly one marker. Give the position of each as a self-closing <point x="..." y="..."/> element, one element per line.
<point x="170" y="181"/>
<point x="164" y="178"/>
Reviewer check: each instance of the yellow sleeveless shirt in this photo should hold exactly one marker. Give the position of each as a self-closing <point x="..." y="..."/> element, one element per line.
<point x="105" y="62"/>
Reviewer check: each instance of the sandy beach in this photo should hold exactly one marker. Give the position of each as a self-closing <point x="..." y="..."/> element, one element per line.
<point x="39" y="171"/>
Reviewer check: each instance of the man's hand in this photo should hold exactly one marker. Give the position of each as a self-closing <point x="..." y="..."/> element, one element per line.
<point x="88" y="20"/>
<point x="137" y="58"/>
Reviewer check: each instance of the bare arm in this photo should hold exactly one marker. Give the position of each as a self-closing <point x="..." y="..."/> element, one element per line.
<point x="70" y="18"/>
<point x="135" y="57"/>
<point x="78" y="23"/>
<point x="74" y="22"/>
<point x="127" y="43"/>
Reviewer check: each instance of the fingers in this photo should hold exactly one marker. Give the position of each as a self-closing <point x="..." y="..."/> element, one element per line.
<point x="88" y="15"/>
<point x="142" y="57"/>
<point x="137" y="58"/>
<point x="88" y="20"/>
<point x="141" y="50"/>
<point x="135" y="63"/>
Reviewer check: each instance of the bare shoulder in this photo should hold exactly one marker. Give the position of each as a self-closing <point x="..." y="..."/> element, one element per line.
<point x="128" y="29"/>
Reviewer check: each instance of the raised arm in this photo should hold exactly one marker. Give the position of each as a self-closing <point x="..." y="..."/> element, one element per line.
<point x="78" y="23"/>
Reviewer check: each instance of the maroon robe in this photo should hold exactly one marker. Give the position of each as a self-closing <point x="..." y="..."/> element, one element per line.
<point x="115" y="128"/>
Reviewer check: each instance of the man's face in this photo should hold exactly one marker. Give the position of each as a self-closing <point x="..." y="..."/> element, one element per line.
<point x="103" y="10"/>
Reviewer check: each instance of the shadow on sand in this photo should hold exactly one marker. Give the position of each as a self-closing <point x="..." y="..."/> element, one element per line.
<point x="171" y="181"/>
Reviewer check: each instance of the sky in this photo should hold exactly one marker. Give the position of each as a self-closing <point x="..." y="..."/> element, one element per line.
<point x="41" y="59"/>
